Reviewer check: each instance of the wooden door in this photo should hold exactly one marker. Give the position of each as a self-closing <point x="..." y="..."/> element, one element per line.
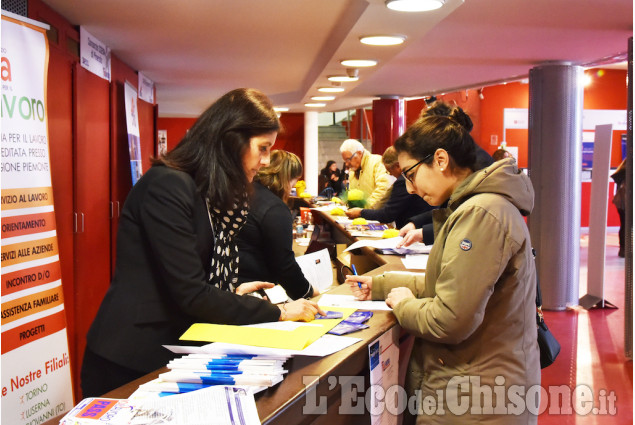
<point x="92" y="200"/>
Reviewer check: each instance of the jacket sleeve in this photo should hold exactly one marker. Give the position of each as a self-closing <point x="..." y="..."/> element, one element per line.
<point x="277" y="230"/>
<point x="382" y="186"/>
<point x="396" y="203"/>
<point x="475" y="254"/>
<point x="422" y="219"/>
<point x="167" y="214"/>
<point x="384" y="283"/>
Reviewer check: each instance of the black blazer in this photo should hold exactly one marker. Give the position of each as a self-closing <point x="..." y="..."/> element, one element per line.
<point x="400" y="206"/>
<point x="160" y="286"/>
<point x="265" y="245"/>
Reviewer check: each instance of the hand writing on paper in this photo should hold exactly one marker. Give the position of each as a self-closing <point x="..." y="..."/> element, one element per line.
<point x="397" y="295"/>
<point x="253" y="286"/>
<point x="300" y="310"/>
<point x="361" y="286"/>
<point x="411" y="237"/>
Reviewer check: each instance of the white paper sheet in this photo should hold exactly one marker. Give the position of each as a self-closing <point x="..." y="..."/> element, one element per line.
<point x="317" y="268"/>
<point x="415" y="262"/>
<point x="349" y="301"/>
<point x="391" y="244"/>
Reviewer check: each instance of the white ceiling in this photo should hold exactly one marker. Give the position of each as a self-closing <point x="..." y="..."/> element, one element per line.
<point x="197" y="50"/>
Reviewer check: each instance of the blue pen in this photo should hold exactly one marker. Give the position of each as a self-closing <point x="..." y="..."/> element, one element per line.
<point x="359" y="284"/>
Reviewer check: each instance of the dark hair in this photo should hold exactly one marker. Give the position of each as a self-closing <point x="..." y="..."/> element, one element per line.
<point x="326" y="168"/>
<point x="432" y="132"/>
<point x="212" y="150"/>
<point x="442" y="109"/>
<point x="283" y="167"/>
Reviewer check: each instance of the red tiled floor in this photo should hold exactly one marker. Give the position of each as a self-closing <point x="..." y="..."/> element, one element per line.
<point x="592" y="355"/>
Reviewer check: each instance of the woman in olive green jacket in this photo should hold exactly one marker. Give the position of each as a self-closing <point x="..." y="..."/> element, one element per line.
<point x="475" y="358"/>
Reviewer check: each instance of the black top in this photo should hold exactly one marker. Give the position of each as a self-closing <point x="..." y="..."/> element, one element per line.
<point x="265" y="245"/>
<point x="326" y="179"/>
<point x="160" y="286"/>
<point x="483" y="159"/>
<point x="400" y="206"/>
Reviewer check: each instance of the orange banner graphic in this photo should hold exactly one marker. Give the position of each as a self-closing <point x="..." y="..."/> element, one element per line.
<point x="27" y="224"/>
<point x="32" y="331"/>
<point x="28" y="251"/>
<point x="30" y="278"/>
<point x="31" y="304"/>
<point x="27" y="197"/>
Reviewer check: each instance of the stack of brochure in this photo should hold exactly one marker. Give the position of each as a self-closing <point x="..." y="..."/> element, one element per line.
<point x="197" y="371"/>
<point x="214" y="405"/>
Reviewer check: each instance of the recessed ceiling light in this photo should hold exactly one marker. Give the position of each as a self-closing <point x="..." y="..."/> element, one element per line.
<point x="414" y="5"/>
<point x="315" y="105"/>
<point x="383" y="40"/>
<point x="280" y="109"/>
<point x="358" y="63"/>
<point x="342" y="78"/>
<point x="323" y="98"/>
<point x="331" y="89"/>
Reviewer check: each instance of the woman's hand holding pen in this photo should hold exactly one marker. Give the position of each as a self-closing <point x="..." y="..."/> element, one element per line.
<point x="300" y="310"/>
<point x="361" y="286"/>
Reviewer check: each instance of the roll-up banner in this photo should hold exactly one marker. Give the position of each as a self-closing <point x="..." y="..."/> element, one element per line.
<point x="36" y="375"/>
<point x="132" y="124"/>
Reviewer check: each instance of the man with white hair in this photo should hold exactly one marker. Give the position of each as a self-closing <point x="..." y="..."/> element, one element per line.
<point x="367" y="173"/>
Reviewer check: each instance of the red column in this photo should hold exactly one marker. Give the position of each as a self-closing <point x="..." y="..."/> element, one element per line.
<point x="389" y="121"/>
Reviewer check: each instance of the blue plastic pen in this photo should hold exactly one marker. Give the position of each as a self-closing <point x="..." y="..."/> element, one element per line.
<point x="359" y="284"/>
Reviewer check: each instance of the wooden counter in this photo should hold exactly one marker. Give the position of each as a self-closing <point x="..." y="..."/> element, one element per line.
<point x="312" y="378"/>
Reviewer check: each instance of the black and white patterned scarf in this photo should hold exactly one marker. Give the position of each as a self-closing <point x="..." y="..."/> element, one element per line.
<point x="225" y="227"/>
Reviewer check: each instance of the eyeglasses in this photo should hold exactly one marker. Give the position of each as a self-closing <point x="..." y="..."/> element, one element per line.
<point x="407" y="171"/>
<point x="347" y="160"/>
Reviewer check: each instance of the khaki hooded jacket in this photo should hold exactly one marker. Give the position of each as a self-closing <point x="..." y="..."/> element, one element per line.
<point x="474" y="315"/>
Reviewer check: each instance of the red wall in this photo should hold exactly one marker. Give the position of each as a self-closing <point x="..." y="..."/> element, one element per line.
<point x="176" y="129"/>
<point x="608" y="90"/>
<point x="290" y="138"/>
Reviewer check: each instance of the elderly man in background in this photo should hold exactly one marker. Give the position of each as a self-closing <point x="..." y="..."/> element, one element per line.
<point x="368" y="173"/>
<point x="401" y="205"/>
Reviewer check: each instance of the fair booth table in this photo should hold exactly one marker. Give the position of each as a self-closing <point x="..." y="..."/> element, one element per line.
<point x="307" y="382"/>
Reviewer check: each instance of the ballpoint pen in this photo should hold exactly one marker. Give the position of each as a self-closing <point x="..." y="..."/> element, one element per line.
<point x="359" y="284"/>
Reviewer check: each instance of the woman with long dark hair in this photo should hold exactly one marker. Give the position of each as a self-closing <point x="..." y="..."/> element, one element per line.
<point x="176" y="248"/>
<point x="330" y="180"/>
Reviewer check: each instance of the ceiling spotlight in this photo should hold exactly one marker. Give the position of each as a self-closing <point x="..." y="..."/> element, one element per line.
<point x="358" y="63"/>
<point x="323" y="98"/>
<point x="331" y="89"/>
<point x="280" y="109"/>
<point x="315" y="105"/>
<point x="342" y="78"/>
<point x="383" y="40"/>
<point x="414" y="5"/>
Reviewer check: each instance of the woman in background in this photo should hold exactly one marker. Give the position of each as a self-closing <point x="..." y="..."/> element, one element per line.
<point x="265" y="243"/>
<point x="473" y="312"/>
<point x="330" y="180"/>
<point x="176" y="249"/>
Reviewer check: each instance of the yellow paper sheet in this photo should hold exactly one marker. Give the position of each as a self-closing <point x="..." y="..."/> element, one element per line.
<point x="296" y="339"/>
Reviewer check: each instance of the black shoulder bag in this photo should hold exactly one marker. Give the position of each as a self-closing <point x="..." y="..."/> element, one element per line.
<point x="549" y="345"/>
